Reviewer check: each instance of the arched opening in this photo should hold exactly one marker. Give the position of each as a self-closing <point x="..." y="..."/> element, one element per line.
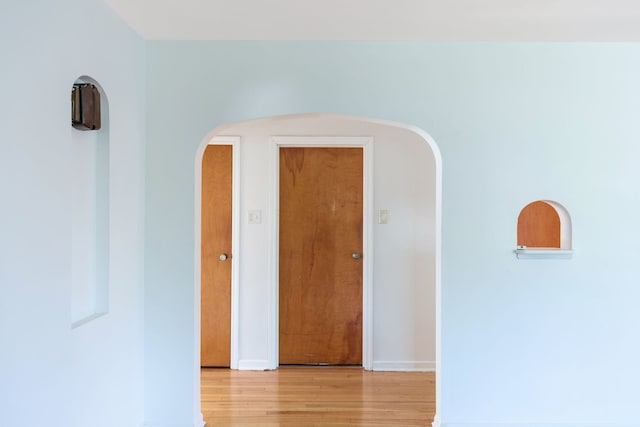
<point x="544" y="231"/>
<point x="403" y="180"/>
<point x="90" y="210"/>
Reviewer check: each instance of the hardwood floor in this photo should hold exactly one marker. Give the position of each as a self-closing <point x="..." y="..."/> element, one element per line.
<point x="317" y="396"/>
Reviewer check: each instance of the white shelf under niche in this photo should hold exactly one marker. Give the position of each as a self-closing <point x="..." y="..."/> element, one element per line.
<point x="543" y="253"/>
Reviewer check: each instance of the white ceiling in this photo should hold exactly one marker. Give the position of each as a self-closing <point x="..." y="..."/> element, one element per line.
<point x="451" y="20"/>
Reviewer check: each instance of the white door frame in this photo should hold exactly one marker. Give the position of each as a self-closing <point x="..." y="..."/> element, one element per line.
<point x="366" y="143"/>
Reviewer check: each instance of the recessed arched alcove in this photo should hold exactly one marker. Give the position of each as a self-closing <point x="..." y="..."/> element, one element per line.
<point x="402" y="199"/>
<point x="544" y="228"/>
<point x="90" y="209"/>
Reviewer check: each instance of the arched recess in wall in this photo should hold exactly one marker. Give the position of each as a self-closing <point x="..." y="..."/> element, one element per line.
<point x="259" y="143"/>
<point x="544" y="229"/>
<point x="90" y="208"/>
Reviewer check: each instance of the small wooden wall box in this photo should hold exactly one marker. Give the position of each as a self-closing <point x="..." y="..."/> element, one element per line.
<point x="85" y="107"/>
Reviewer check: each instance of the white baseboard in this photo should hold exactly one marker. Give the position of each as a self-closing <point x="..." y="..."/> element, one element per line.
<point x="198" y="422"/>
<point x="404" y="366"/>
<point x="537" y="425"/>
<point x="171" y="425"/>
<point x="254" y="365"/>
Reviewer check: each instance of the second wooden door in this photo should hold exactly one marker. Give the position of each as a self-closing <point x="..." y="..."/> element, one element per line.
<point x="215" y="347"/>
<point x="320" y="258"/>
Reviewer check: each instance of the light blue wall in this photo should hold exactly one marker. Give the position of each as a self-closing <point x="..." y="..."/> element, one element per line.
<point x="545" y="341"/>
<point x="51" y="374"/>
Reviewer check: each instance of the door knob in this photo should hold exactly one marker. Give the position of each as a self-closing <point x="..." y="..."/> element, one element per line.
<point x="356" y="255"/>
<point x="223" y="257"/>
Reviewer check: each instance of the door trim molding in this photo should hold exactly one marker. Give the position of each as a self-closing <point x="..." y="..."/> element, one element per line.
<point x="366" y="143"/>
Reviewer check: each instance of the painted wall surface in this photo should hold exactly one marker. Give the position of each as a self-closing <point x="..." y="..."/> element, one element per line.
<point x="547" y="341"/>
<point x="404" y="257"/>
<point x="51" y="374"/>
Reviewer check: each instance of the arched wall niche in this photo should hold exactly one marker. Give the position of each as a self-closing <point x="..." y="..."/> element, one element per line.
<point x="90" y="216"/>
<point x="259" y="142"/>
<point x="544" y="225"/>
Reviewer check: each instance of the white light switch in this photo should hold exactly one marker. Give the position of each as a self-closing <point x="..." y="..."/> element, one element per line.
<point x="383" y="216"/>
<point x="255" y="217"/>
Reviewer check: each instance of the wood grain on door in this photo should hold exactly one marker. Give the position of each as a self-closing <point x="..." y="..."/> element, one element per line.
<point x="320" y="264"/>
<point x="216" y="256"/>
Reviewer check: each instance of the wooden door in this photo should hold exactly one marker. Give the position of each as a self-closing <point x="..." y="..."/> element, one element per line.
<point x="216" y="245"/>
<point x="320" y="294"/>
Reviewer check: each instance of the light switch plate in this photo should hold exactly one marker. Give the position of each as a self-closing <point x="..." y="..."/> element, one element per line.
<point x="255" y="217"/>
<point x="383" y="216"/>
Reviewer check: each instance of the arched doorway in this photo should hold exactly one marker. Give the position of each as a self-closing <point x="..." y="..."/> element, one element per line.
<point x="402" y="234"/>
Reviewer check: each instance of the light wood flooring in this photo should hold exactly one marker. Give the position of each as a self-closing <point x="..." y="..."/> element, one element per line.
<point x="317" y="396"/>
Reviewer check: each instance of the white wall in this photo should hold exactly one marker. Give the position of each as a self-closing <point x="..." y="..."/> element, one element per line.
<point x="49" y="373"/>
<point x="404" y="260"/>
<point x="523" y="342"/>
<point x="529" y="341"/>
